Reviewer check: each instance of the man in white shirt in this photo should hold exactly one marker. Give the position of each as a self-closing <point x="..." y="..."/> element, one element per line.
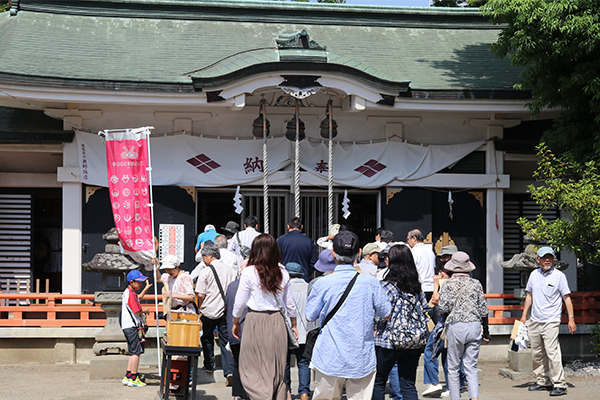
<point x="424" y="260"/>
<point x="227" y="257"/>
<point x="547" y="287"/>
<point x="242" y="241"/>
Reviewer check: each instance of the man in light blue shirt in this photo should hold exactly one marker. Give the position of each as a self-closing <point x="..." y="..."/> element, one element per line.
<point x="209" y="233"/>
<point x="345" y="351"/>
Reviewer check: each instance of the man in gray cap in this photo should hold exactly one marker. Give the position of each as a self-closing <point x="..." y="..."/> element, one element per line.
<point x="370" y="255"/>
<point x="211" y="288"/>
<point x="546" y="288"/>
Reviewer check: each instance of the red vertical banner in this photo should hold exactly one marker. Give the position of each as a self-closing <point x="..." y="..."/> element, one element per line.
<point x="128" y="184"/>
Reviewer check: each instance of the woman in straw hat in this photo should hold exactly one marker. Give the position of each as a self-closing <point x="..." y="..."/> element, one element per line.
<point x="462" y="300"/>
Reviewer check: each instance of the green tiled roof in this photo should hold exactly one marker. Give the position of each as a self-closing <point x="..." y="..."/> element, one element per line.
<point x="142" y="44"/>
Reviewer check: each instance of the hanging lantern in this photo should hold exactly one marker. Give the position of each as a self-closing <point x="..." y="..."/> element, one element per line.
<point x="290" y="132"/>
<point x="257" y="125"/>
<point x="325" y="123"/>
<point x="325" y="128"/>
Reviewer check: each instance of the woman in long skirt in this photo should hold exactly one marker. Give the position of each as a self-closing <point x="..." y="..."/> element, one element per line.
<point x="264" y="285"/>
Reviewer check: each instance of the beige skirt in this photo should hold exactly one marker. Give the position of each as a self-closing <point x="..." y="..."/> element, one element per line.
<point x="263" y="355"/>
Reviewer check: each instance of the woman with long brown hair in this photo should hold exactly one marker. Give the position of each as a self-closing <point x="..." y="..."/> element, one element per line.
<point x="264" y="285"/>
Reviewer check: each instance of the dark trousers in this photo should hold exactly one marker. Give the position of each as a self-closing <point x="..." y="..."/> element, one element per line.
<point x="407" y="360"/>
<point x="237" y="389"/>
<point x="208" y="342"/>
<point x="303" y="370"/>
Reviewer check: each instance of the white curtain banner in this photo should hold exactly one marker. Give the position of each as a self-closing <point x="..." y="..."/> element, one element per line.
<point x="380" y="164"/>
<point x="184" y="160"/>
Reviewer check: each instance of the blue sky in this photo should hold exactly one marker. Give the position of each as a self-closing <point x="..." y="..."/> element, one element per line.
<point x="410" y="3"/>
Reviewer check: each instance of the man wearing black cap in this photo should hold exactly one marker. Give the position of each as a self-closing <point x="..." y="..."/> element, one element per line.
<point x="345" y="351"/>
<point x="230" y="229"/>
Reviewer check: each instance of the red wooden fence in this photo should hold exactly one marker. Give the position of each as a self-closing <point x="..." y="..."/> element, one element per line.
<point x="52" y="312"/>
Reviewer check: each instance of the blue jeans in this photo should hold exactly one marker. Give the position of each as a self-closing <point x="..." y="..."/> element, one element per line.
<point x="395" y="391"/>
<point x="303" y="371"/>
<point x="208" y="342"/>
<point x="431" y="369"/>
<point x="407" y="361"/>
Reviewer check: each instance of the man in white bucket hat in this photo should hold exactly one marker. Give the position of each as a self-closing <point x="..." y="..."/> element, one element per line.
<point x="547" y="287"/>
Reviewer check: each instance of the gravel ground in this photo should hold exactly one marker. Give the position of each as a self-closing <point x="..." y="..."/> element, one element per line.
<point x="61" y="382"/>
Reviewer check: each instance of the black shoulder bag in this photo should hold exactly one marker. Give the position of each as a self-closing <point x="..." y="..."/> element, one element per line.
<point x="244" y="250"/>
<point x="142" y="328"/>
<point x="311" y="337"/>
<point x="219" y="285"/>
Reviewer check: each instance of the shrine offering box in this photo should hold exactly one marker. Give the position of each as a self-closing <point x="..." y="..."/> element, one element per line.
<point x="183" y="329"/>
<point x="184" y="333"/>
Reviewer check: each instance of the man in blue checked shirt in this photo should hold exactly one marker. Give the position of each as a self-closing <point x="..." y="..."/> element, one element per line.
<point x="345" y="351"/>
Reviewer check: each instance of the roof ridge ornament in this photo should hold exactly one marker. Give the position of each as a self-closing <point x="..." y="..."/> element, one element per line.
<point x="14" y="7"/>
<point x="298" y="40"/>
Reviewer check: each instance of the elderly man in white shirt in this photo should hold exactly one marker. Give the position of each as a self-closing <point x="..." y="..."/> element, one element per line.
<point x="244" y="238"/>
<point x="424" y="260"/>
<point x="227" y="257"/>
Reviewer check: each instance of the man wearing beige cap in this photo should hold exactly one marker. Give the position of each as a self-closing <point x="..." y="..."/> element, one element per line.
<point x="370" y="253"/>
<point x="547" y="288"/>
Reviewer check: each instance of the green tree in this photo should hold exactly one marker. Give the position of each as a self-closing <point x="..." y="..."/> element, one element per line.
<point x="572" y="186"/>
<point x="556" y="43"/>
<point x="458" y="3"/>
<point x="4" y="5"/>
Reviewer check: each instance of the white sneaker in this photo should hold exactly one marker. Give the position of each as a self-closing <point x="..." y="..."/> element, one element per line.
<point x="446" y="393"/>
<point x="432" y="389"/>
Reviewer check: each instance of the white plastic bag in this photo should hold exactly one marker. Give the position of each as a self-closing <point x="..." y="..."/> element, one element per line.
<point x="522" y="338"/>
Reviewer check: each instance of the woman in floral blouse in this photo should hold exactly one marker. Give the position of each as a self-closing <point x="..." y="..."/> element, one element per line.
<point x="462" y="300"/>
<point x="181" y="288"/>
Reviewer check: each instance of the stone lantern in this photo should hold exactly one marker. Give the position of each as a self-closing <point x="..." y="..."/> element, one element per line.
<point x="111" y="346"/>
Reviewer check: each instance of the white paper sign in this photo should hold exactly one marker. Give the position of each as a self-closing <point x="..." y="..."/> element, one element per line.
<point x="171" y="241"/>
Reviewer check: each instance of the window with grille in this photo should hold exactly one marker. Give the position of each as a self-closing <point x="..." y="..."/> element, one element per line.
<point x="15" y="241"/>
<point x="516" y="206"/>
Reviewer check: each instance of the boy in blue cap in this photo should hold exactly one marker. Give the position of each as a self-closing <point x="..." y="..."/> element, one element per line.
<point x="131" y="311"/>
